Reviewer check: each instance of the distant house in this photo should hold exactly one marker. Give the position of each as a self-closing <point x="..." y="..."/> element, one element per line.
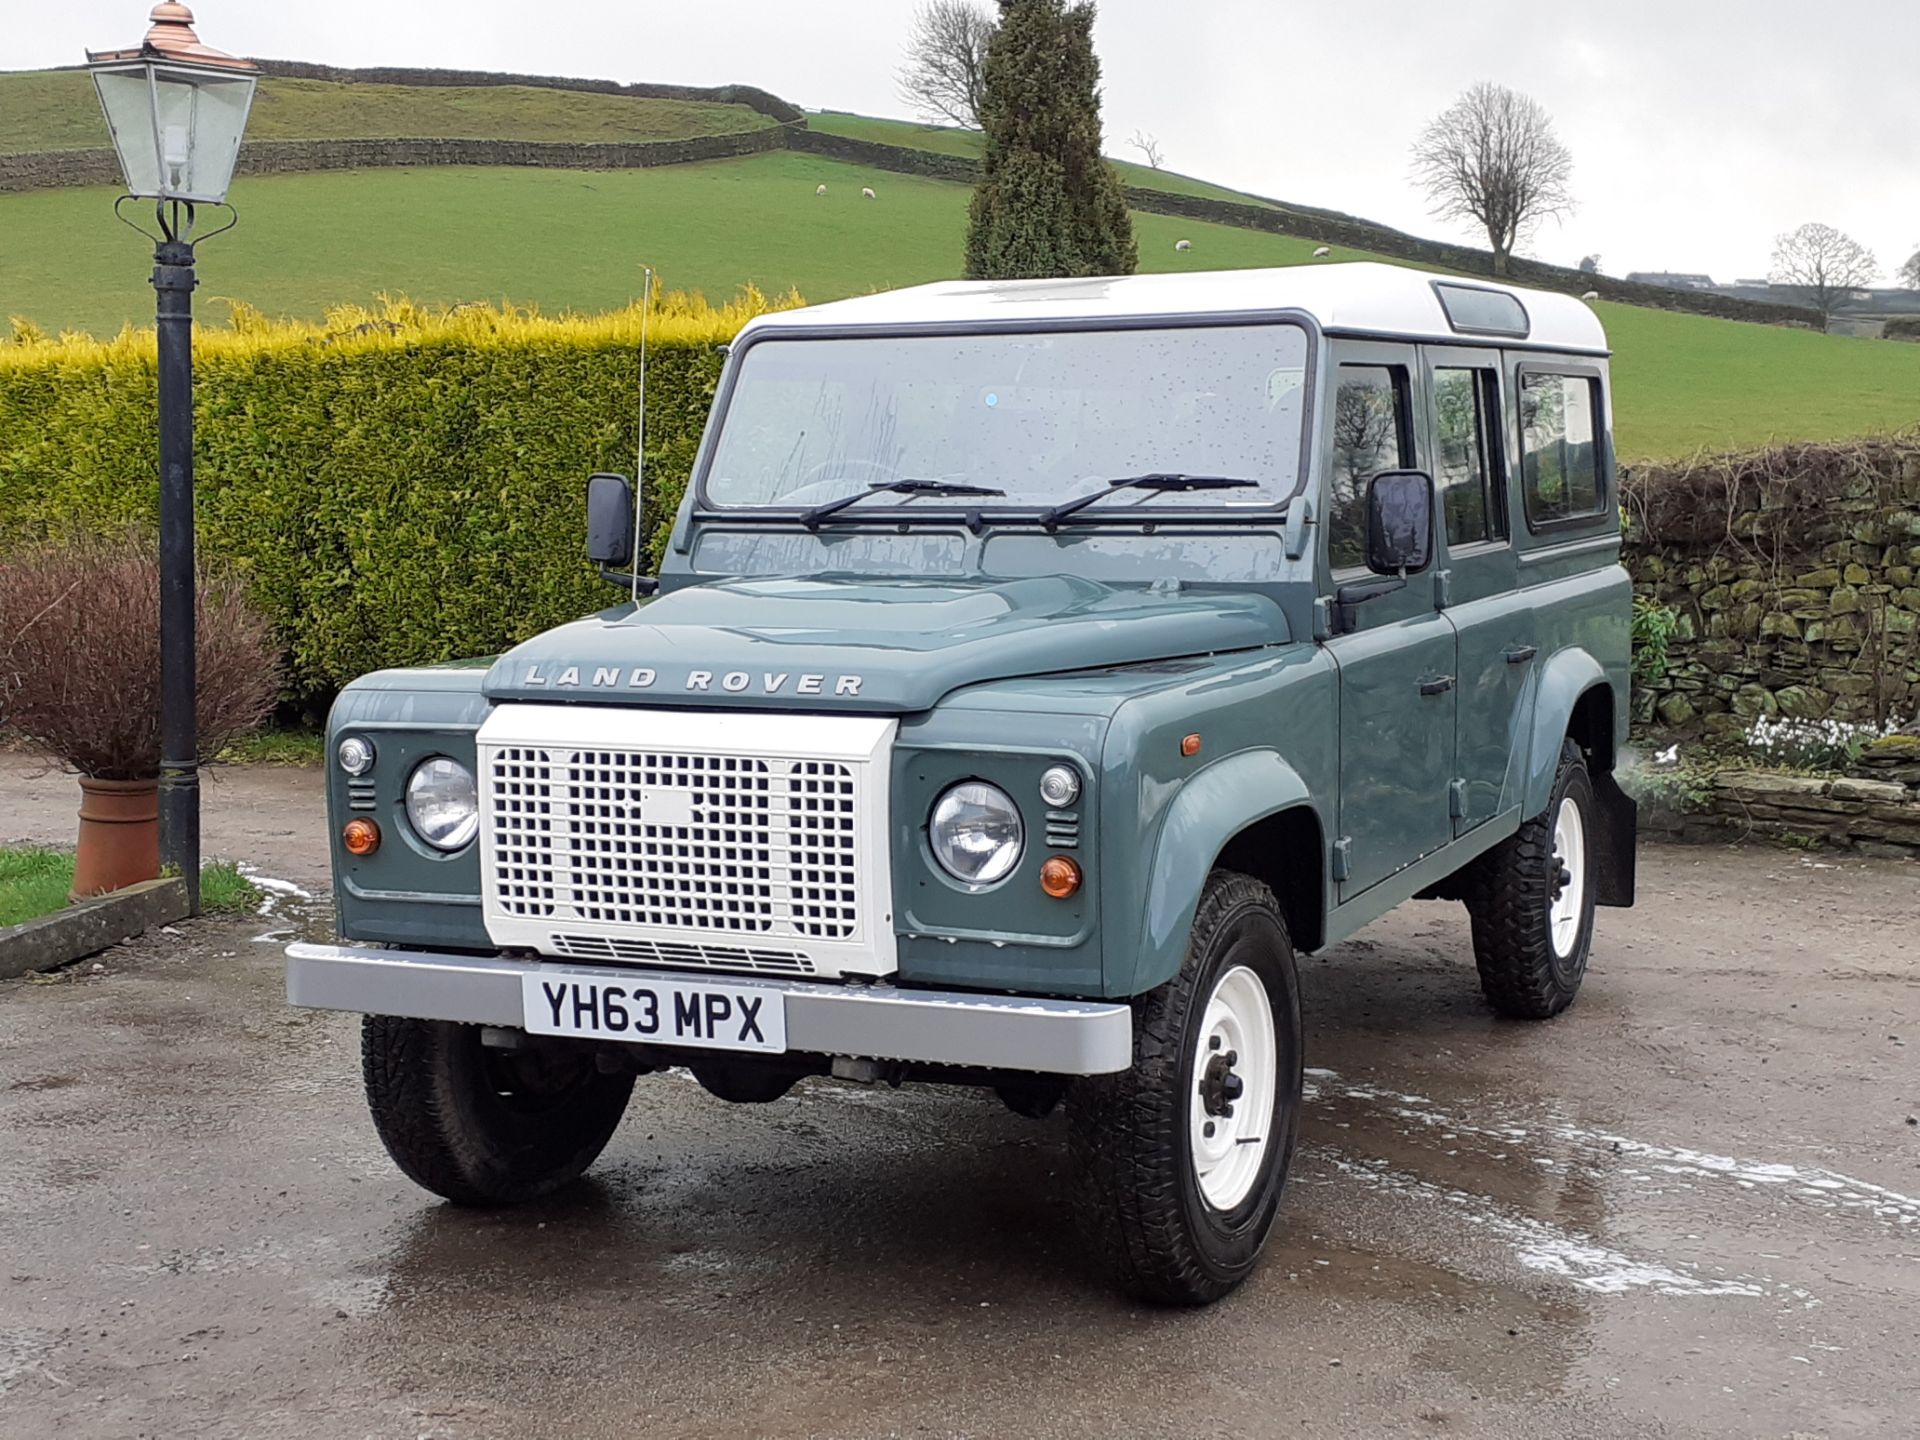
<point x="1671" y="280"/>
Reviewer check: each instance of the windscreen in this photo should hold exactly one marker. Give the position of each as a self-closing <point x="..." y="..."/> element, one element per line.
<point x="1043" y="417"/>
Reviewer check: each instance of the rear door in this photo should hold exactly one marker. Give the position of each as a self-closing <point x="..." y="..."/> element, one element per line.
<point x="1497" y="654"/>
<point x="1397" y="680"/>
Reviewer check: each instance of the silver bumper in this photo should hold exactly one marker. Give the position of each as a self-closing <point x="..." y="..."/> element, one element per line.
<point x="1058" y="1037"/>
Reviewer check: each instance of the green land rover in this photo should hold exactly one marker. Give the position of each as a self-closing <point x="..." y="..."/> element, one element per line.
<point x="1034" y="669"/>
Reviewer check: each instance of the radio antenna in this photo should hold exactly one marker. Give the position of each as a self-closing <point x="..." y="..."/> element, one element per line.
<point x="640" y="443"/>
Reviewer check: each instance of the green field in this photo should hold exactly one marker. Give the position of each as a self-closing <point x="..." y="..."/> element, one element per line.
<point x="946" y="140"/>
<point x="57" y="110"/>
<point x="576" y="240"/>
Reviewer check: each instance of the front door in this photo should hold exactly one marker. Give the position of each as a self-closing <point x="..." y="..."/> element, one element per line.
<point x="1397" y="673"/>
<point x="1467" y="443"/>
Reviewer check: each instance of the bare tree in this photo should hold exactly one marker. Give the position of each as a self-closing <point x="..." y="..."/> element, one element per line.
<point x="1823" y="265"/>
<point x="945" y="77"/>
<point x="1492" y="157"/>
<point x="1148" y="147"/>
<point x="1909" y="273"/>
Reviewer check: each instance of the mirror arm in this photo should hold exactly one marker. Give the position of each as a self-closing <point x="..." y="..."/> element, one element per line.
<point x="1348" y="598"/>
<point x="642" y="584"/>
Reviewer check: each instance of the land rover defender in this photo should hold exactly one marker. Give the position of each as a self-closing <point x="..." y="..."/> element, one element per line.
<point x="1033" y="670"/>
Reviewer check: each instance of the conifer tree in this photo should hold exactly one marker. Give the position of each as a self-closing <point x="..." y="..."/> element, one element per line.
<point x="1048" y="202"/>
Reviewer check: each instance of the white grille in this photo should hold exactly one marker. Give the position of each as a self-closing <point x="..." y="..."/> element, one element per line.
<point x="682" y="845"/>
<point x="681" y="955"/>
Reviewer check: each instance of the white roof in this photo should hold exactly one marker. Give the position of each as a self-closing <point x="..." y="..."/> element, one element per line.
<point x="1359" y="297"/>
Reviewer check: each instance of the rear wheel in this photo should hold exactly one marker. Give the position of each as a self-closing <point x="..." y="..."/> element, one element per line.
<point x="1183" y="1157"/>
<point x="485" y="1126"/>
<point x="1531" y="901"/>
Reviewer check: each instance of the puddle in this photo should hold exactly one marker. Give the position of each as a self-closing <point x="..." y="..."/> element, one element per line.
<point x="1638" y="1162"/>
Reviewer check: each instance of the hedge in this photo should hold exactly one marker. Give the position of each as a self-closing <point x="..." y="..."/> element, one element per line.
<point x="404" y="485"/>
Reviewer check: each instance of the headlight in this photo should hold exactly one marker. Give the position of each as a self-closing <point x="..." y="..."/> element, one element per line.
<point x="356" y="755"/>
<point x="442" y="803"/>
<point x="975" y="833"/>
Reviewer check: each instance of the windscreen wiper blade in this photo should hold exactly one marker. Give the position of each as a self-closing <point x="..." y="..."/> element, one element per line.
<point x="908" y="486"/>
<point x="1155" y="480"/>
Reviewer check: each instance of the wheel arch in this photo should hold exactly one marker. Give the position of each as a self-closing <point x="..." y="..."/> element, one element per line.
<point x="1250" y="812"/>
<point x="1578" y="702"/>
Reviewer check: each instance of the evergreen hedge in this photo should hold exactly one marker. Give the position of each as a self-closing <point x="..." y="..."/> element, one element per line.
<point x="403" y="486"/>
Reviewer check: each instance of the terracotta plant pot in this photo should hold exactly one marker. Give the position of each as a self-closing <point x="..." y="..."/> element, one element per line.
<point x="119" y="835"/>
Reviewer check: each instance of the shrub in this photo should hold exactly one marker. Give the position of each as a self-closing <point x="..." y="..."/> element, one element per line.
<point x="1907" y="329"/>
<point x="80" y="655"/>
<point x="1653" y="627"/>
<point x="402" y="485"/>
<point x="1810" y="744"/>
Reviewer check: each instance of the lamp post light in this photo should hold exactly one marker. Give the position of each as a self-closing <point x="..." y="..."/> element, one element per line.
<point x="177" y="110"/>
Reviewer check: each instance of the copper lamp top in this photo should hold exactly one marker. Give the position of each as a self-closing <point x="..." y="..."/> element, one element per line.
<point x="172" y="38"/>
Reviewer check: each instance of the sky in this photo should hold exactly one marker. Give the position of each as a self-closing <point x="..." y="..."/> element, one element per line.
<point x="1700" y="129"/>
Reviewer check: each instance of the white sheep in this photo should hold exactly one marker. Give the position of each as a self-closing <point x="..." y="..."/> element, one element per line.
<point x="1591" y="295"/>
<point x="1323" y="252"/>
<point x="1183" y="244"/>
<point x="867" y="192"/>
<point x="820" y="190"/>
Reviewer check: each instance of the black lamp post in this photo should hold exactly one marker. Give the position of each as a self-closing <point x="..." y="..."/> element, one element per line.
<point x="177" y="110"/>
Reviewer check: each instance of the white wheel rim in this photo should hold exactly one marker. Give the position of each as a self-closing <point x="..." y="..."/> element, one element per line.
<point x="1569" y="855"/>
<point x="1229" y="1150"/>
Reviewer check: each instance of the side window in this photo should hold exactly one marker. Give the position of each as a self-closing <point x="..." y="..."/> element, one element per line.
<point x="1560" y="454"/>
<point x="1466" y="461"/>
<point x="1372" y="426"/>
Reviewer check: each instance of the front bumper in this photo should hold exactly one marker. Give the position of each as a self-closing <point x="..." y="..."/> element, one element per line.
<point x="877" y="1022"/>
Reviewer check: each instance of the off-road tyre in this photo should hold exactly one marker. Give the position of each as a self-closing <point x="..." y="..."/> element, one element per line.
<point x="1511" y="894"/>
<point x="1139" y="1196"/>
<point x="485" y="1127"/>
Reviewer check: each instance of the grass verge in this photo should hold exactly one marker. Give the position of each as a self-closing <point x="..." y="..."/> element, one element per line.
<point x="305" y="748"/>
<point x="35" y="882"/>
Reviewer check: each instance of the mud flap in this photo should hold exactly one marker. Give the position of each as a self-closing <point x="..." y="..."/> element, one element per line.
<point x="1619" y="826"/>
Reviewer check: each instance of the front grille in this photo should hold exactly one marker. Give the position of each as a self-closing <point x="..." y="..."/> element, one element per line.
<point x="734" y="845"/>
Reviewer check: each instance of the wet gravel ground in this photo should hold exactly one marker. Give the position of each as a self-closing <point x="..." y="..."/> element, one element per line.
<point x="1687" y="1208"/>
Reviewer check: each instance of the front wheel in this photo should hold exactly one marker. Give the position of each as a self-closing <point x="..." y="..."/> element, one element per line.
<point x="1182" y="1158"/>
<point x="485" y="1126"/>
<point x="1531" y="902"/>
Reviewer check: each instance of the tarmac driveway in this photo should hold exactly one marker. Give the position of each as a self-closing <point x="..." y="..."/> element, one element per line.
<point x="1686" y="1208"/>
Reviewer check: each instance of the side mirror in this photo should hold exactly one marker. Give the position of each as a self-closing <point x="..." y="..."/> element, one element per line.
<point x="610" y="521"/>
<point x="1399" y="522"/>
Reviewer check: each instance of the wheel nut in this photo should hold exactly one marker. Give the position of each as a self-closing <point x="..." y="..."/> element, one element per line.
<point x="1208" y="1130"/>
<point x="1213" y="1042"/>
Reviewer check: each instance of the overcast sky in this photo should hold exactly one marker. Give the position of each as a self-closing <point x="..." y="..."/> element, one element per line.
<point x="1700" y="129"/>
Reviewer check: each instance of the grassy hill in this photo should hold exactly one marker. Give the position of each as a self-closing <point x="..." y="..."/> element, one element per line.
<point x="575" y="240"/>
<point x="57" y="110"/>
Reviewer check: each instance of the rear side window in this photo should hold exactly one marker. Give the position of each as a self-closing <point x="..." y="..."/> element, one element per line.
<point x="1466" y="430"/>
<point x="1560" y="447"/>
<point x="1372" y="430"/>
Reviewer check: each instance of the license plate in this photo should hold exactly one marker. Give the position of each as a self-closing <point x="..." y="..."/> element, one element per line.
<point x="714" y="1016"/>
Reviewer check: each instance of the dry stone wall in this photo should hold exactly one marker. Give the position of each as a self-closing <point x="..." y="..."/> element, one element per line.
<point x="1874" y="809"/>
<point x="1794" y="580"/>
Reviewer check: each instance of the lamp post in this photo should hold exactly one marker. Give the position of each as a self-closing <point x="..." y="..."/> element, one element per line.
<point x="177" y="110"/>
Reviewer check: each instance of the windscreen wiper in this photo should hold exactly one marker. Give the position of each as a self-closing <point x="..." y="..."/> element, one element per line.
<point x="1156" y="480"/>
<point x="812" y="518"/>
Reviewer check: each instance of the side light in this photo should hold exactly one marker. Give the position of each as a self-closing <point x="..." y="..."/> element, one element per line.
<point x="360" y="836"/>
<point x="1060" y="877"/>
<point x="1190" y="746"/>
<point x="355" y="755"/>
<point x="1059" y="787"/>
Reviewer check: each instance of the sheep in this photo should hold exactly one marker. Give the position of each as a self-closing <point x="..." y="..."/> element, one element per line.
<point x="866" y="192"/>
<point x="1591" y="295"/>
<point x="1183" y="244"/>
<point x="820" y="190"/>
<point x="1323" y="252"/>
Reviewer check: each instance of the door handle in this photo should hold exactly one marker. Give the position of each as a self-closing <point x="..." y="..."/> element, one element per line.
<point x="1521" y="654"/>
<point x="1436" y="687"/>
